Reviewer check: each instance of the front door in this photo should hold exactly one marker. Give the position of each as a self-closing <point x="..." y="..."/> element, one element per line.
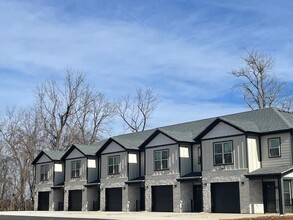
<point x="197" y="198"/>
<point x="269" y="196"/>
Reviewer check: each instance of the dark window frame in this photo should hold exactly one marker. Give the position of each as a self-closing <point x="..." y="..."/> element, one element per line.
<point x="269" y="154"/>
<point x="44" y="172"/>
<point x="161" y="160"/>
<point x="118" y="170"/>
<point x="223" y="153"/>
<point x="75" y="172"/>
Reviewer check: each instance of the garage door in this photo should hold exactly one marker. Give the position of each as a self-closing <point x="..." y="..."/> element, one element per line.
<point x="75" y="200"/>
<point x="162" y="198"/>
<point x="225" y="197"/>
<point x="114" y="199"/>
<point x="43" y="201"/>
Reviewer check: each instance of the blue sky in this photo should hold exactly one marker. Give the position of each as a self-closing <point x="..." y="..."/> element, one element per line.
<point x="183" y="49"/>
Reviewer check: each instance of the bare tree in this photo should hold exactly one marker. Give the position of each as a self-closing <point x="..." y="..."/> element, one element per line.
<point x="136" y="112"/>
<point x="72" y="112"/>
<point x="19" y="134"/>
<point x="259" y="88"/>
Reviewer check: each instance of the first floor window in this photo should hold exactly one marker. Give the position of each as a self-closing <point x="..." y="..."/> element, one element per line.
<point x="287" y="193"/>
<point x="114" y="164"/>
<point x="161" y="159"/>
<point x="44" y="172"/>
<point x="223" y="153"/>
<point x="75" y="169"/>
<point x="274" y="147"/>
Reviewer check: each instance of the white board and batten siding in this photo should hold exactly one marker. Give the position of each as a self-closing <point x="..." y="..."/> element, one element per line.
<point x="285" y="158"/>
<point x="220" y="133"/>
<point x="253" y="153"/>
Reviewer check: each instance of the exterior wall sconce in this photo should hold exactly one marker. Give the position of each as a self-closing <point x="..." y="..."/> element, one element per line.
<point x="205" y="184"/>
<point x="242" y="183"/>
<point x="175" y="185"/>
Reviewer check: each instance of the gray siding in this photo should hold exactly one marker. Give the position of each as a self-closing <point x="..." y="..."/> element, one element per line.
<point x="285" y="158"/>
<point x="173" y="160"/>
<point x="185" y="159"/>
<point x="112" y="148"/>
<point x="239" y="154"/>
<point x="161" y="139"/>
<point x="142" y="163"/>
<point x="50" y="173"/>
<point x="74" y="154"/>
<point x="83" y="163"/>
<point x="221" y="130"/>
<point x="196" y="164"/>
<point x="123" y="166"/>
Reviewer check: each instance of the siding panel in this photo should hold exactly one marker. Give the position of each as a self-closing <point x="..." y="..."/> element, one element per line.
<point x="285" y="158"/>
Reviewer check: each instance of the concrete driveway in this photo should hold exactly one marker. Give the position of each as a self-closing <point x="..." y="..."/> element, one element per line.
<point x="127" y="215"/>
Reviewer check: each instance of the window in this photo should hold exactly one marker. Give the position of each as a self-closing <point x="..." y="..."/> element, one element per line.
<point x="199" y="155"/>
<point x="274" y="147"/>
<point x="44" y="172"/>
<point x="161" y="159"/>
<point x="75" y="169"/>
<point x="114" y="164"/>
<point x="223" y="153"/>
<point x="287" y="193"/>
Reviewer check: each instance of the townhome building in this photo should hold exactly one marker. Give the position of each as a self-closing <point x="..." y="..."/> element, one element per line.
<point x="122" y="173"/>
<point x="238" y="163"/>
<point x="49" y="180"/>
<point x="81" y="184"/>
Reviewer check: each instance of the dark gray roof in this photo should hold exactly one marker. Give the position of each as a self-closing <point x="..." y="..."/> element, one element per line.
<point x="270" y="171"/>
<point x="261" y="120"/>
<point x="54" y="154"/>
<point x="90" y="150"/>
<point x="132" y="141"/>
<point x="186" y="131"/>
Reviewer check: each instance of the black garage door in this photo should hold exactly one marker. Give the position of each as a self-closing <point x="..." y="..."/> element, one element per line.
<point x="43" y="201"/>
<point x="225" y="197"/>
<point x="114" y="199"/>
<point x="75" y="200"/>
<point x="162" y="198"/>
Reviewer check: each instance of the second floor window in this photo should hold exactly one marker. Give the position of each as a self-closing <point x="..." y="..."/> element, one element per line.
<point x="199" y="155"/>
<point x="161" y="158"/>
<point x="114" y="164"/>
<point x="44" y="172"/>
<point x="274" y="147"/>
<point x="75" y="169"/>
<point x="223" y="153"/>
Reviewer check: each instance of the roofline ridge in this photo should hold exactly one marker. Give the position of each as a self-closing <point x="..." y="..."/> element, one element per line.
<point x="282" y="117"/>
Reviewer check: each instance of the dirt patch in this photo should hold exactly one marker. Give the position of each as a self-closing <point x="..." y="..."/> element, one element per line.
<point x="285" y="217"/>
